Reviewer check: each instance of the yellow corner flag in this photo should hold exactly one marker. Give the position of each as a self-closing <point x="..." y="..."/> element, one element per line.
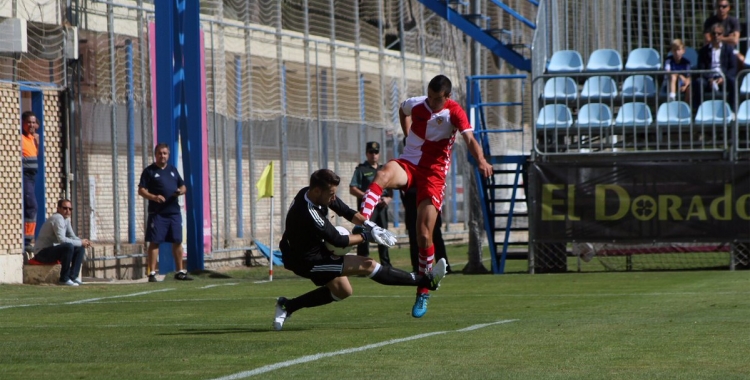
<point x="265" y="183"/>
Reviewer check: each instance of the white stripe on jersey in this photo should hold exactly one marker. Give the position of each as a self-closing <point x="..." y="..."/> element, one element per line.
<point x="316" y="217"/>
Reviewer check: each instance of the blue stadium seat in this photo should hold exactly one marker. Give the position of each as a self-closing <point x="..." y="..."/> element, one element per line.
<point x="745" y="86"/>
<point x="560" y="89"/>
<point x="638" y="87"/>
<point x="673" y="114"/>
<point x="599" y="89"/>
<point x="634" y="114"/>
<point x="743" y="114"/>
<point x="594" y="115"/>
<point x="565" y="61"/>
<point x="604" y="60"/>
<point x="643" y="59"/>
<point x="691" y="55"/>
<point x="713" y="112"/>
<point x="554" y="116"/>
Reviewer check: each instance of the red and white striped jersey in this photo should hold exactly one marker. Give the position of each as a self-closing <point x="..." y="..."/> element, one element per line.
<point x="432" y="134"/>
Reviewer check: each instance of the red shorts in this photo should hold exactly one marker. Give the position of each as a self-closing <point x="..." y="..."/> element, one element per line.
<point x="430" y="184"/>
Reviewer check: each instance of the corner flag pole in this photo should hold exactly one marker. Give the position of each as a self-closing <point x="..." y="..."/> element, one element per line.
<point x="265" y="190"/>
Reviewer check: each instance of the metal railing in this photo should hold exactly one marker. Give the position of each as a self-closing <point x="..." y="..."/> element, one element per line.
<point x="601" y="123"/>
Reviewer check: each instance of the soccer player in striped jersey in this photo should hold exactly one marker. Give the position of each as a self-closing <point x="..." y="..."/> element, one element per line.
<point x="304" y="251"/>
<point x="430" y="124"/>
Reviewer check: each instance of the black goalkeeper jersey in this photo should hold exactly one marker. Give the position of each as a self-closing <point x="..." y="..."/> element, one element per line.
<point x="308" y="228"/>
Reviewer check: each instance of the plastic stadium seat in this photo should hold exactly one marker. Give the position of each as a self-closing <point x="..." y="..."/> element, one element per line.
<point x="554" y="116"/>
<point x="562" y="89"/>
<point x="638" y="87"/>
<point x="743" y="113"/>
<point x="599" y="89"/>
<point x="691" y="55"/>
<point x="745" y="86"/>
<point x="713" y="112"/>
<point x="643" y="59"/>
<point x="604" y="60"/>
<point x="673" y="114"/>
<point x="634" y="114"/>
<point x="594" y="115"/>
<point x="565" y="61"/>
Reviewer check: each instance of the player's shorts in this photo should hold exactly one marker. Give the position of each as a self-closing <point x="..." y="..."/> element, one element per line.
<point x="164" y="228"/>
<point x="320" y="268"/>
<point x="430" y="184"/>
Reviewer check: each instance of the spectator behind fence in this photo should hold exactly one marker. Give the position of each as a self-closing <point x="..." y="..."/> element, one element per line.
<point x="58" y="242"/>
<point x="719" y="58"/>
<point x="29" y="164"/>
<point x="409" y="199"/>
<point x="677" y="63"/>
<point x="731" y="35"/>
<point x="162" y="185"/>
<point x="363" y="176"/>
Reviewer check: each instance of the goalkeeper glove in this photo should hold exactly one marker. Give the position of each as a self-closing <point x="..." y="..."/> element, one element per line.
<point x="375" y="234"/>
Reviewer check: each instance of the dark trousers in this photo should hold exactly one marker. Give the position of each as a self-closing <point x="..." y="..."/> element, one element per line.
<point x="70" y="258"/>
<point x="410" y="209"/>
<point x="379" y="217"/>
<point x="703" y="90"/>
<point x="29" y="208"/>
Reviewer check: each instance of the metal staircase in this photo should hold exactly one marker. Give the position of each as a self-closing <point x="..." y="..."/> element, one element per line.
<point x="503" y="195"/>
<point x="476" y="26"/>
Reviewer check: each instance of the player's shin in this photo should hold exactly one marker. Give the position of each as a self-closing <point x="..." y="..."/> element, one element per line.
<point x="388" y="275"/>
<point x="370" y="200"/>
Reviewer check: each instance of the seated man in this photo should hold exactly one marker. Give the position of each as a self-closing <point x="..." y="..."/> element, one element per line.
<point x="719" y="58"/>
<point x="58" y="242"/>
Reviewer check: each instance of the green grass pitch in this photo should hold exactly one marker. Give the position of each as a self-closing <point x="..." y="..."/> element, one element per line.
<point x="636" y="325"/>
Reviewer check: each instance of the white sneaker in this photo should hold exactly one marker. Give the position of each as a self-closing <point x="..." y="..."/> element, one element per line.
<point x="438" y="273"/>
<point x="67" y="283"/>
<point x="77" y="281"/>
<point x="281" y="314"/>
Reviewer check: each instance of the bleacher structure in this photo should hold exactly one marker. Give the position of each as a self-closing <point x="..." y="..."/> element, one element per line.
<point x="617" y="171"/>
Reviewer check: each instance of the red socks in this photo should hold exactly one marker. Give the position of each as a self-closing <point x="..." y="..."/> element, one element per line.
<point x="370" y="200"/>
<point x="426" y="257"/>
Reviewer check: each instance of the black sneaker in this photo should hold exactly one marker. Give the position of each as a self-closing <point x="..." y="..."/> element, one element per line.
<point x="152" y="278"/>
<point x="182" y="276"/>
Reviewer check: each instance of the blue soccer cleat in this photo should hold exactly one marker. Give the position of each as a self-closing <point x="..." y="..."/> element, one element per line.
<point x="420" y="305"/>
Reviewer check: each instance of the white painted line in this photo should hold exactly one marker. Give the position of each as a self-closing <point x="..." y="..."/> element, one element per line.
<point x="120" y="296"/>
<point x="12" y="306"/>
<point x="260" y="282"/>
<point x="310" y="358"/>
<point x="215" y="285"/>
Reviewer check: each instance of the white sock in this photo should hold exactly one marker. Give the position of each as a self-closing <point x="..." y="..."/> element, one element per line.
<point x="672" y="96"/>
<point x="153" y="273"/>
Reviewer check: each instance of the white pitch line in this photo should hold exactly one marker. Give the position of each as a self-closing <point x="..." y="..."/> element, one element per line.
<point x="310" y="358"/>
<point x="120" y="296"/>
<point x="215" y="285"/>
<point x="12" y="306"/>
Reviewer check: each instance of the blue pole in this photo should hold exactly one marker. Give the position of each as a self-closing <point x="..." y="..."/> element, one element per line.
<point x="192" y="130"/>
<point x="238" y="146"/>
<point x="362" y="127"/>
<point x="37" y="106"/>
<point x="454" y="202"/>
<point x="396" y="194"/>
<point x="165" y="101"/>
<point x="131" y="139"/>
<point x="323" y="113"/>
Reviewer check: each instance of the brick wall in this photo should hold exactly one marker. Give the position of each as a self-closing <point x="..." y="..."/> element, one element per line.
<point x="11" y="211"/>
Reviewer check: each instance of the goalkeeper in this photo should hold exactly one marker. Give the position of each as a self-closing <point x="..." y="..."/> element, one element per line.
<point x="304" y="252"/>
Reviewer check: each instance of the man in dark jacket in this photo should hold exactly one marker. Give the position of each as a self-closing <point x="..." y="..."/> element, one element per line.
<point x="718" y="57"/>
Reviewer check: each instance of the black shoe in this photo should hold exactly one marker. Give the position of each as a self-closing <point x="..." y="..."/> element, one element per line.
<point x="182" y="276"/>
<point x="152" y="278"/>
